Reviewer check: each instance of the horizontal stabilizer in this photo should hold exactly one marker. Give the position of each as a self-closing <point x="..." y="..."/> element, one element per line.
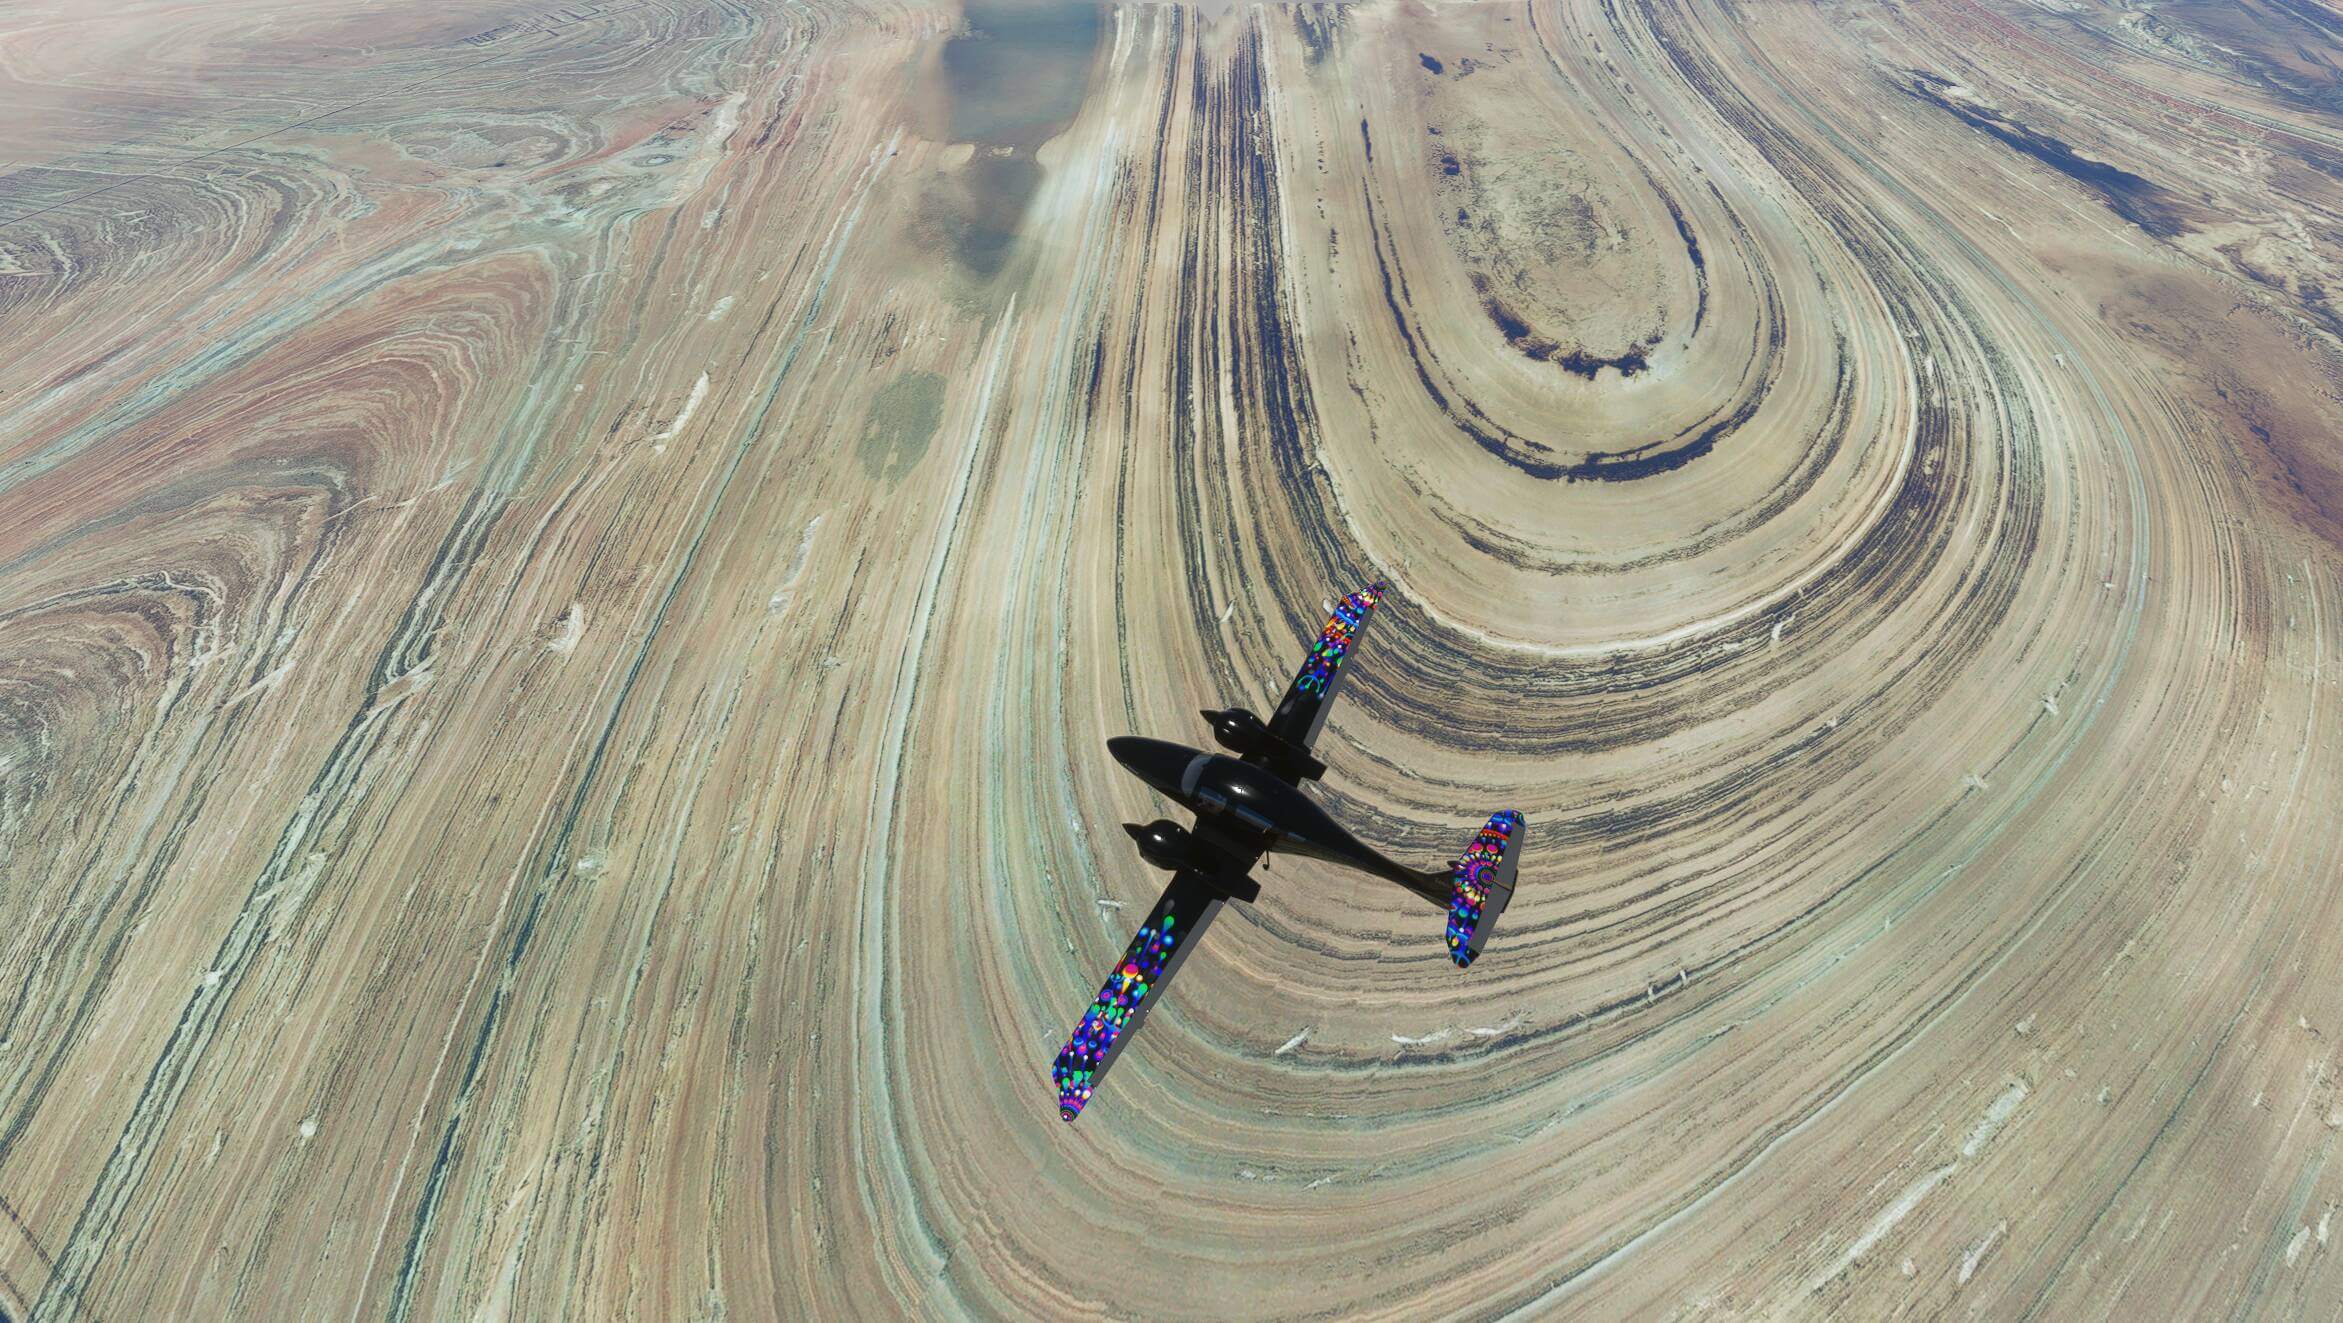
<point x="1482" y="885"/>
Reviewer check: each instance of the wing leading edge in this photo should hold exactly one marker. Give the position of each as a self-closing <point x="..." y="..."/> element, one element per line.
<point x="1171" y="930"/>
<point x="1302" y="712"/>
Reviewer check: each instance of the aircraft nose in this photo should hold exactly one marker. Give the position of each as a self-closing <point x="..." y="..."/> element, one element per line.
<point x="1157" y="762"/>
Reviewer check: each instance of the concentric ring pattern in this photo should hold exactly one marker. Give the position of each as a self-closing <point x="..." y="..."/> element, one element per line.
<point x="566" y="571"/>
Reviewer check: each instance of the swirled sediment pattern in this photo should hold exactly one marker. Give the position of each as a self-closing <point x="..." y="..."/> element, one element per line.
<point x="565" y="572"/>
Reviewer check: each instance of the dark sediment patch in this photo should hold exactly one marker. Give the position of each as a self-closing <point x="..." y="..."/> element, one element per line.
<point x="1692" y="252"/>
<point x="2144" y="203"/>
<point x="903" y="419"/>
<point x="1580" y="363"/>
<point x="1526" y="341"/>
<point x="1317" y="25"/>
<point x="1011" y="82"/>
<point x="983" y="222"/>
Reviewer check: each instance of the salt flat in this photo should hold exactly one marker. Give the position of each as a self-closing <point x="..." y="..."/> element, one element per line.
<point x="564" y="572"/>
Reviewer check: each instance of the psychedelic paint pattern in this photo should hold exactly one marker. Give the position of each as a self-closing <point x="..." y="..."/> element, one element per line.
<point x="1334" y="641"/>
<point x="1474" y="873"/>
<point x="1117" y="1005"/>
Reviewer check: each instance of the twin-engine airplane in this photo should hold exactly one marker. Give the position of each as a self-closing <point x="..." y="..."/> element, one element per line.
<point x="1252" y="805"/>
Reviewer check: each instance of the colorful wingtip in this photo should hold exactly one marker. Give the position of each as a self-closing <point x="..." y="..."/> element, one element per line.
<point x="1334" y="641"/>
<point x="1118" y="1003"/>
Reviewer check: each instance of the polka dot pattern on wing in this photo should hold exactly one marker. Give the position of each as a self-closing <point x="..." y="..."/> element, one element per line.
<point x="1118" y="1000"/>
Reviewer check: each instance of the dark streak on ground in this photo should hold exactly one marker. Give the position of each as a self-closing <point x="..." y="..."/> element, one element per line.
<point x="1317" y="26"/>
<point x="2148" y="205"/>
<point x="1531" y="345"/>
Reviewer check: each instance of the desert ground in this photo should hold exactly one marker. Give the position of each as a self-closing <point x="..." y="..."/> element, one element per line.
<point x="564" y="572"/>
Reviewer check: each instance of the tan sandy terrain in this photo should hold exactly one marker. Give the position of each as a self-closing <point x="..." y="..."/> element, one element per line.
<point x="564" y="573"/>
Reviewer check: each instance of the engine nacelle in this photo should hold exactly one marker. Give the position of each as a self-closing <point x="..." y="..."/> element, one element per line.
<point x="1243" y="734"/>
<point x="1163" y="843"/>
<point x="1238" y="731"/>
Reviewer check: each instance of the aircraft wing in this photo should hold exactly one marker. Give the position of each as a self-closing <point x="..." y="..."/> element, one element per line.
<point x="1171" y="931"/>
<point x="1302" y="712"/>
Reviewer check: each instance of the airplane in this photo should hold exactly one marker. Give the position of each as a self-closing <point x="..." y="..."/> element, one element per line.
<point x="1248" y="806"/>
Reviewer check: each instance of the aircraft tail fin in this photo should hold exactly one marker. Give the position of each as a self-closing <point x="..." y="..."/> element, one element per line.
<point x="1481" y="884"/>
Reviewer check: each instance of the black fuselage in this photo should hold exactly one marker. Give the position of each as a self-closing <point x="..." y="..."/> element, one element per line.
<point x="1245" y="810"/>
